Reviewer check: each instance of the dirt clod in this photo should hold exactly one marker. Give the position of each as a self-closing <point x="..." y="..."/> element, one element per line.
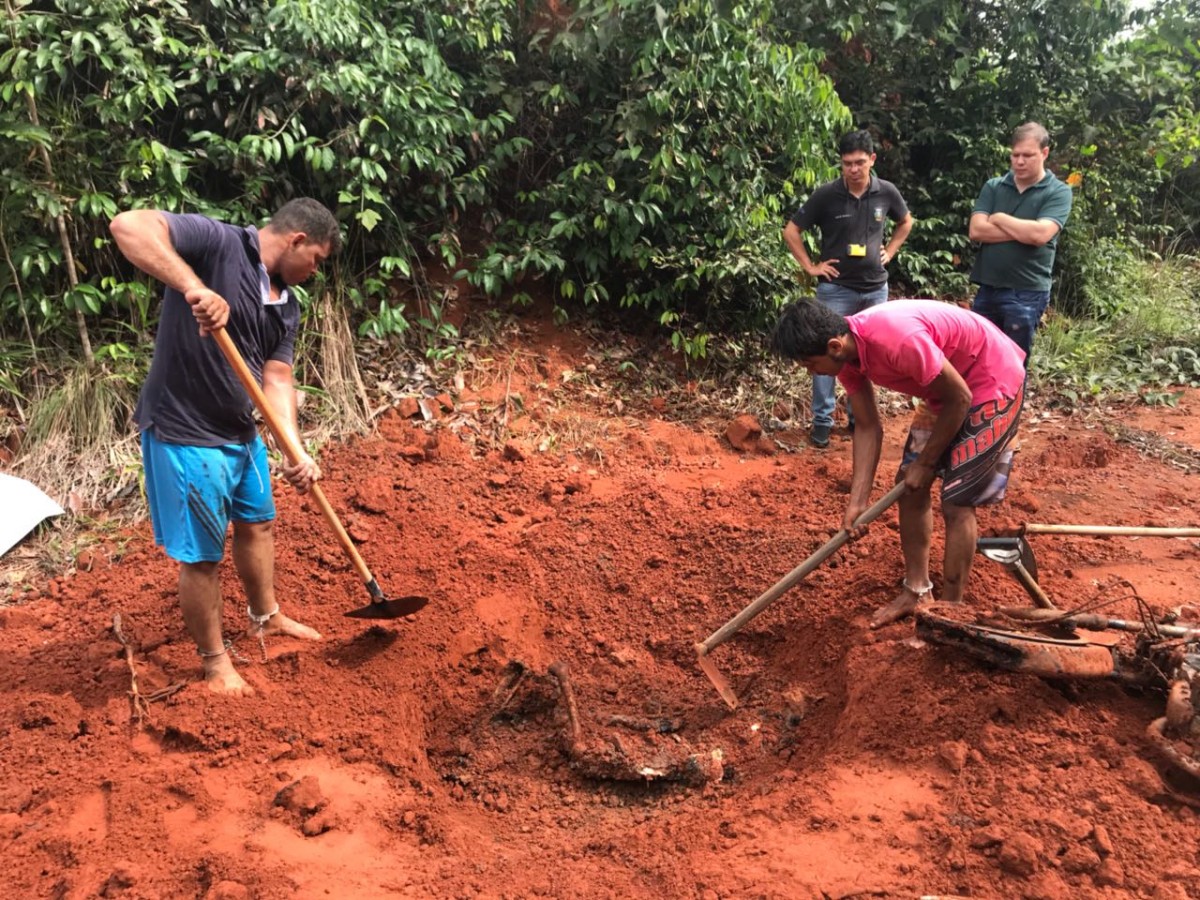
<point x="1079" y="859"/>
<point x="743" y="433"/>
<point x="303" y="796"/>
<point x="1110" y="874"/>
<point x="1020" y="854"/>
<point x="228" y="890"/>
<point x="954" y="755"/>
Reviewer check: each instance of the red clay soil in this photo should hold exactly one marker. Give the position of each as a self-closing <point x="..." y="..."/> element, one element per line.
<point x="428" y="757"/>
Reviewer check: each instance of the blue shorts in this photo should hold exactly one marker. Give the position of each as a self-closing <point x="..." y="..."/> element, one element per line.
<point x="194" y="492"/>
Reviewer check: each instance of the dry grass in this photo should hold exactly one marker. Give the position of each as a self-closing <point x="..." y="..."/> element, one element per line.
<point x="586" y="436"/>
<point x="344" y="405"/>
<point x="80" y="450"/>
<point x="79" y="447"/>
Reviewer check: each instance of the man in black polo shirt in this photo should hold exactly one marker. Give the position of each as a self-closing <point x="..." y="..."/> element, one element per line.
<point x="850" y="212"/>
<point x="205" y="462"/>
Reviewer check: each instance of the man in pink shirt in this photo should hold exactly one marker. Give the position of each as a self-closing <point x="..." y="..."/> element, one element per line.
<point x="970" y="378"/>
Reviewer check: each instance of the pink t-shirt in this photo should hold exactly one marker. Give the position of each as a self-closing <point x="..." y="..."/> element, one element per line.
<point x="902" y="345"/>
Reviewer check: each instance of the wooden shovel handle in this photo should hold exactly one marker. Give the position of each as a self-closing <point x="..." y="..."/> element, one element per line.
<point x="738" y="622"/>
<point x="288" y="443"/>
<point x="1112" y="530"/>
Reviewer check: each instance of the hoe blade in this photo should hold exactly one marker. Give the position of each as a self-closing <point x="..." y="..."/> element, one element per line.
<point x="389" y="609"/>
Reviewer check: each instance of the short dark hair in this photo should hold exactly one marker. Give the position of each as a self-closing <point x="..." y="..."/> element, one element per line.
<point x="805" y="329"/>
<point x="853" y="141"/>
<point x="310" y="217"/>
<point x="1031" y="131"/>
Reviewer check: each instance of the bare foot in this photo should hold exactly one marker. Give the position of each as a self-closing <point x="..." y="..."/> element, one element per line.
<point x="222" y="678"/>
<point x="905" y="604"/>
<point x="281" y="624"/>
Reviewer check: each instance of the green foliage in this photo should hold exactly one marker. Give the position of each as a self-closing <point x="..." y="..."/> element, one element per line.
<point x="1145" y="341"/>
<point x="932" y="257"/>
<point x="15" y="365"/>
<point x="384" y="111"/>
<point x="642" y="156"/>
<point x="941" y="83"/>
<point x="69" y="81"/>
<point x="675" y="141"/>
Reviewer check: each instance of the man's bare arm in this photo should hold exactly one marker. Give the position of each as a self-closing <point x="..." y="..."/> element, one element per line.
<point x="865" y="451"/>
<point x="143" y="236"/>
<point x="1034" y="232"/>
<point x="954" y="397"/>
<point x="982" y="230"/>
<point x="280" y="390"/>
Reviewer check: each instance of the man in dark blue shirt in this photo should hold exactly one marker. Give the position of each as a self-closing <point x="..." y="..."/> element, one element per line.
<point x="205" y="462"/>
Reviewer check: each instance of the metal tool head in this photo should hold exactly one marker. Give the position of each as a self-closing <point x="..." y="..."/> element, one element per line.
<point x="1009" y="552"/>
<point x="719" y="681"/>
<point x="382" y="607"/>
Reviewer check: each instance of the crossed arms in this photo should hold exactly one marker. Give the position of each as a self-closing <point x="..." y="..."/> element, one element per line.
<point x="999" y="227"/>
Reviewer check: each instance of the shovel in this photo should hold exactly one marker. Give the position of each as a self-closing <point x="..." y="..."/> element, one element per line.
<point x="380" y="607"/>
<point x="1093" y="622"/>
<point x="1110" y="530"/>
<point x="1016" y="556"/>
<point x="738" y="622"/>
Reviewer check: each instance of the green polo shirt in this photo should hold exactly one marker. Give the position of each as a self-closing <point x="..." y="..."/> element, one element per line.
<point x="1011" y="264"/>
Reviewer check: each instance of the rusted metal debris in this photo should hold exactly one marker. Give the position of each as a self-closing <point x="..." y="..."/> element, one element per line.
<point x="1176" y="736"/>
<point x="646" y="756"/>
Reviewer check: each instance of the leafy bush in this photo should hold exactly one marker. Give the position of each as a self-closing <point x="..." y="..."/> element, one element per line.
<point x="230" y="109"/>
<point x="672" y="144"/>
<point x="639" y="155"/>
<point x="1145" y="341"/>
<point x="941" y="83"/>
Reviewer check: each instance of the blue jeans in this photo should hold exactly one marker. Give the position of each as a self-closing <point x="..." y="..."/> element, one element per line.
<point x="1016" y="313"/>
<point x="845" y="302"/>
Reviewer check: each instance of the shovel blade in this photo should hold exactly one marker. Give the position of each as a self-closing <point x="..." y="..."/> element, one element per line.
<point x="1009" y="552"/>
<point x="395" y="608"/>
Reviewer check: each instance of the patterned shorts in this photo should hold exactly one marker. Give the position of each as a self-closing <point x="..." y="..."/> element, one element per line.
<point x="974" y="469"/>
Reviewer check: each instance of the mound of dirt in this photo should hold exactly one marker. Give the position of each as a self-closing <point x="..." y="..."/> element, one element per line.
<point x="430" y="757"/>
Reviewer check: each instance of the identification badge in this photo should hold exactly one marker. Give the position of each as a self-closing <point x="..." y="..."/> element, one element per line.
<point x="858" y="250"/>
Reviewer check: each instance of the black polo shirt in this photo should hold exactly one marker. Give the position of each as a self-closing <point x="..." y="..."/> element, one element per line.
<point x="844" y="219"/>
<point x="191" y="395"/>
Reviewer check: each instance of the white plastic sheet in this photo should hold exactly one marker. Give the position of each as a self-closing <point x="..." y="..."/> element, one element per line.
<point x="22" y="506"/>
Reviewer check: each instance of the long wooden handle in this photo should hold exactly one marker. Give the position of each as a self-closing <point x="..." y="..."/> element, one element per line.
<point x="1115" y="530"/>
<point x="290" y="446"/>
<point x="738" y="622"/>
<point x="1032" y="587"/>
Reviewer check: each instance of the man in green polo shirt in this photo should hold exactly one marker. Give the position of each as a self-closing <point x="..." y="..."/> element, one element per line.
<point x="1017" y="220"/>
